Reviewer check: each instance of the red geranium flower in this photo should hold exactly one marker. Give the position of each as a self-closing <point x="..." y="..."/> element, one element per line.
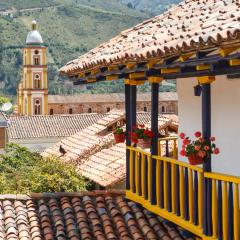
<point x="198" y="134"/>
<point x="212" y="138"/>
<point x="183" y="152"/>
<point x="182" y="135"/>
<point x="186" y="141"/>
<point x="206" y="148"/>
<point x="197" y="148"/>
<point x="141" y="125"/>
<point x="216" y="151"/>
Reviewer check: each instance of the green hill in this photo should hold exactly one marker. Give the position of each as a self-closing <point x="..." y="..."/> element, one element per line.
<point x="69" y="28"/>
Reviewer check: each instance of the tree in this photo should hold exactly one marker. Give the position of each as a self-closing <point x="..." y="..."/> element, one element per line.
<point x="23" y="171"/>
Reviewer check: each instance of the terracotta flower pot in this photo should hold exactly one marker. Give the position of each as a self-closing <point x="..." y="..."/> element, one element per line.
<point x="194" y="159"/>
<point x="119" y="138"/>
<point x="144" y="143"/>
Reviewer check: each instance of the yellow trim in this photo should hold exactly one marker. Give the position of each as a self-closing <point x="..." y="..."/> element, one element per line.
<point x="227" y="50"/>
<point x="214" y="208"/>
<point x="149" y="176"/>
<point x="181" y="190"/>
<point x="131" y="171"/>
<point x="206" y="79"/>
<point x="234" y="62"/>
<point x="165" y="182"/>
<point x="112" y="77"/>
<point x="236" y="213"/>
<point x="130" y="65"/>
<point x="202" y="67"/>
<point x="143" y="175"/>
<point x="190" y="194"/>
<point x="185" y="57"/>
<point x="137" y="75"/>
<point x="127" y="81"/>
<point x="136" y="172"/>
<point x="111" y="68"/>
<point x="170" y="70"/>
<point x="200" y="199"/>
<point x="222" y="177"/>
<point x="158" y="182"/>
<point x="173" y="179"/>
<point x="134" y="82"/>
<point x="155" y="79"/>
<point x="95" y="71"/>
<point x="46" y="104"/>
<point x="151" y="63"/>
<point x="225" y="211"/>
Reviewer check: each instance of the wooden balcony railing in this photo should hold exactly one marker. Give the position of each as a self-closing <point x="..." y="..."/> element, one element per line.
<point x="179" y="189"/>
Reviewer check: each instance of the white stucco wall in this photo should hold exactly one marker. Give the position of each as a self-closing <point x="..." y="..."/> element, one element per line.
<point x="225" y="119"/>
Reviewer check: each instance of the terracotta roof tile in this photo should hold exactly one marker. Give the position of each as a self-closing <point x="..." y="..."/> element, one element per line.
<point x="188" y="26"/>
<point x="96" y="157"/>
<point x="22" y="127"/>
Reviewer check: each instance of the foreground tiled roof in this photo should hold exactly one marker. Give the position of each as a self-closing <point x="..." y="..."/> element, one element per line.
<point x="113" y="97"/>
<point x="189" y="26"/>
<point x="22" y="127"/>
<point x="95" y="215"/>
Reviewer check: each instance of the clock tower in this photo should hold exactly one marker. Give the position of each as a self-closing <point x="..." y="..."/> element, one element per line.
<point x="32" y="91"/>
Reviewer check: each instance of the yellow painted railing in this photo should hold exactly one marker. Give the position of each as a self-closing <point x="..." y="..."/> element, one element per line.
<point x="168" y="146"/>
<point x="224" y="205"/>
<point x="207" y="204"/>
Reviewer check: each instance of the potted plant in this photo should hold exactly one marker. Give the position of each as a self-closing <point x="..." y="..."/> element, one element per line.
<point x="197" y="150"/>
<point x="119" y="135"/>
<point x="141" y="136"/>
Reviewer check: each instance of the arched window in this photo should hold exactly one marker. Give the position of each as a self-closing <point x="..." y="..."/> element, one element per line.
<point x="51" y="111"/>
<point x="108" y="109"/>
<point x="70" y="111"/>
<point x="145" y="109"/>
<point x="37" y="107"/>
<point x="89" y="110"/>
<point x="163" y="109"/>
<point x="37" y="81"/>
<point x="36" y="57"/>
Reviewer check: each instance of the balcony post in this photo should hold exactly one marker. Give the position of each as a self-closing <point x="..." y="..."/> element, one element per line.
<point x="133" y="112"/>
<point x="207" y="166"/>
<point x="154" y="127"/>
<point x="128" y="129"/>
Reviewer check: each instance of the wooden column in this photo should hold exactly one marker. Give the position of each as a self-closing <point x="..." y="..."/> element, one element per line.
<point x="128" y="129"/>
<point x="133" y="90"/>
<point x="207" y="167"/>
<point x="154" y="127"/>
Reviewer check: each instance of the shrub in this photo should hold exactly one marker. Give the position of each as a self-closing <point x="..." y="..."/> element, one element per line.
<point x="22" y="171"/>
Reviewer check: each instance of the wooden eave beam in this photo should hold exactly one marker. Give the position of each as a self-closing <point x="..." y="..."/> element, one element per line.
<point x="225" y="51"/>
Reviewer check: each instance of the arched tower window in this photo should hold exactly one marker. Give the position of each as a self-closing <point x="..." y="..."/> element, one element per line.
<point x="145" y="109"/>
<point x="70" y="111"/>
<point x="89" y="110"/>
<point x="37" y="80"/>
<point x="37" y="107"/>
<point x="108" y="109"/>
<point x="36" y="58"/>
<point x="51" y="111"/>
<point x="163" y="109"/>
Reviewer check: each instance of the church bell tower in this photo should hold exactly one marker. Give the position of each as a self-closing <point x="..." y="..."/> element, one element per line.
<point x="32" y="91"/>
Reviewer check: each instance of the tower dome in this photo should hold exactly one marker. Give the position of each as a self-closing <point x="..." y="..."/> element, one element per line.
<point x="34" y="37"/>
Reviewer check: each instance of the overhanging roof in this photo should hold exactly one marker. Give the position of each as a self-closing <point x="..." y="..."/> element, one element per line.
<point x="192" y="26"/>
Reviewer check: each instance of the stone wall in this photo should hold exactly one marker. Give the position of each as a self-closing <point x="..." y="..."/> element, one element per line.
<point x="97" y="107"/>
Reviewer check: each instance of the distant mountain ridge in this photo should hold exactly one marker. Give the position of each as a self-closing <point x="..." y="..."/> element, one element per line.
<point x="69" y="28"/>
